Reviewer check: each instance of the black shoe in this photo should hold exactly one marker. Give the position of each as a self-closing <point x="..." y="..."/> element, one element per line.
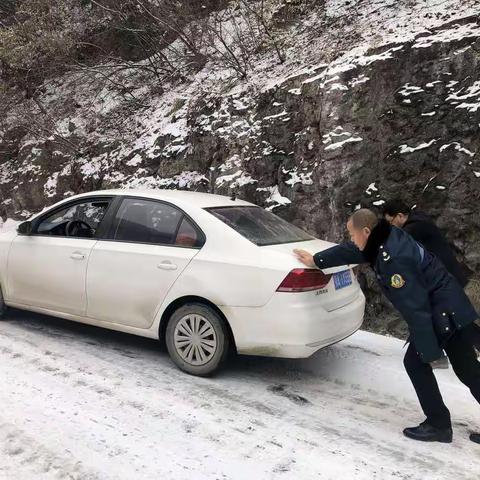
<point x="427" y="433"/>
<point x="475" y="437"/>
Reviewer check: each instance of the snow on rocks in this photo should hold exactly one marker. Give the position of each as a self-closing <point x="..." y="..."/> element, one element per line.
<point x="408" y="149"/>
<point x="283" y="113"/>
<point x="185" y="180"/>
<point x="455" y="32"/>
<point x="432" y="84"/>
<point x="235" y="180"/>
<point x="295" y="91"/>
<point x="358" y="57"/>
<point x="163" y="129"/>
<point x="335" y="146"/>
<point x="371" y="189"/>
<point x="92" y="167"/>
<point x="408" y="90"/>
<point x="337" y="86"/>
<point x="227" y="122"/>
<point x="50" y="186"/>
<point x="361" y="79"/>
<point x="275" y="199"/>
<point x="338" y="8"/>
<point x="338" y="138"/>
<point x="467" y="98"/>
<point x="457" y="147"/>
<point x="369" y="59"/>
<point x="134" y="161"/>
<point x="430" y="180"/>
<point x="305" y="178"/>
<point x="159" y="124"/>
<point x="238" y="178"/>
<point x="452" y="83"/>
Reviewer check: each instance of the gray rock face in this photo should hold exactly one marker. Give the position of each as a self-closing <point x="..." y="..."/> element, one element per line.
<point x="398" y="120"/>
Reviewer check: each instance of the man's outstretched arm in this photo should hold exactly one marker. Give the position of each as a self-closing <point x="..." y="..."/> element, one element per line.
<point x="343" y="254"/>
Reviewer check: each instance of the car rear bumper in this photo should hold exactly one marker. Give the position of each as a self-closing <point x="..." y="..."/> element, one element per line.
<point x="287" y="329"/>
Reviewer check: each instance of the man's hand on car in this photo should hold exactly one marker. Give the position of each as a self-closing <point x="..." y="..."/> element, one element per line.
<point x="305" y="257"/>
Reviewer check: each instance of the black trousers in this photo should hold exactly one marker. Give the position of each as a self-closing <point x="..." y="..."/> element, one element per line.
<point x="464" y="362"/>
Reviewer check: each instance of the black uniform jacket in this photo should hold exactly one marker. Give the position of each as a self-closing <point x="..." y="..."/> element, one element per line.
<point x="413" y="279"/>
<point x="422" y="228"/>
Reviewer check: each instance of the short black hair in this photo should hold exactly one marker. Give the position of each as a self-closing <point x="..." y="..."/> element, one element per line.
<point x="394" y="207"/>
<point x="364" y="218"/>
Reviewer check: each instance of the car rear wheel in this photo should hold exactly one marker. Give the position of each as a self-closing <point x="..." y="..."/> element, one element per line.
<point x="197" y="339"/>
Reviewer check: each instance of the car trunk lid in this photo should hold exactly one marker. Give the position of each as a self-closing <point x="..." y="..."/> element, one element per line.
<point x="343" y="286"/>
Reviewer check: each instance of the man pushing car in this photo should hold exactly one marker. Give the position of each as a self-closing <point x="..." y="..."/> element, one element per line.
<point x="438" y="313"/>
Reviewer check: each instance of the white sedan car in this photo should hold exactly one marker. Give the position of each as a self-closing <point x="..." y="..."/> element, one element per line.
<point x="203" y="273"/>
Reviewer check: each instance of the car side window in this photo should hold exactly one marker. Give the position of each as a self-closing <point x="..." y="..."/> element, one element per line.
<point x="77" y="220"/>
<point x="187" y="235"/>
<point x="147" y="221"/>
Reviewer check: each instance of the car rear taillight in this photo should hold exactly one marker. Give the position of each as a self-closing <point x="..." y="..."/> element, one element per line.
<point x="304" y="280"/>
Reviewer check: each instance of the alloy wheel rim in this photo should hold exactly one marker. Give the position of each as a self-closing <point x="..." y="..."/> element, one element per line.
<point x="195" y="339"/>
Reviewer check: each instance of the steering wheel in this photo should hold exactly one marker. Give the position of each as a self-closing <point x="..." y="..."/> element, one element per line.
<point x="73" y="226"/>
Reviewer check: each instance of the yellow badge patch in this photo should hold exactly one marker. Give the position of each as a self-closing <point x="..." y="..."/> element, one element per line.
<point x="397" y="281"/>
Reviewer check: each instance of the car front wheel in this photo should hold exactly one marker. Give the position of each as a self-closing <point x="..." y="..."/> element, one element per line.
<point x="197" y="339"/>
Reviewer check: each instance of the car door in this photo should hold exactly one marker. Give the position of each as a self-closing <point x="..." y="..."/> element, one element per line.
<point x="47" y="268"/>
<point x="130" y="272"/>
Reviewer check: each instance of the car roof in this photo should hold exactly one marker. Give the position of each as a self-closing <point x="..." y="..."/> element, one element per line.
<point x="197" y="199"/>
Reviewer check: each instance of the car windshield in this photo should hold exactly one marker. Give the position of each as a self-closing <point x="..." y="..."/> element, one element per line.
<point x="259" y="226"/>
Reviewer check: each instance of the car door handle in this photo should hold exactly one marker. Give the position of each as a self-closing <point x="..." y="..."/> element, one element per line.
<point x="77" y="256"/>
<point x="167" y="266"/>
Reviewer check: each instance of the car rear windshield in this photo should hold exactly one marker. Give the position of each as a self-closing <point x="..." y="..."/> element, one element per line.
<point x="260" y="226"/>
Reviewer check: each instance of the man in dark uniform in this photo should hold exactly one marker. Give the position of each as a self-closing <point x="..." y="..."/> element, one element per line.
<point x="422" y="228"/>
<point x="435" y="307"/>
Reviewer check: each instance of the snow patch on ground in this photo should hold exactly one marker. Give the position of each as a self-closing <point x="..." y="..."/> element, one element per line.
<point x="87" y="403"/>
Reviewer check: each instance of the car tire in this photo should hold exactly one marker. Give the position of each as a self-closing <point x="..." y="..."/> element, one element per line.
<point x="197" y="339"/>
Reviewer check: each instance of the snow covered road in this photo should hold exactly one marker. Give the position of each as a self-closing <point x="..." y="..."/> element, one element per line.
<point x="85" y="403"/>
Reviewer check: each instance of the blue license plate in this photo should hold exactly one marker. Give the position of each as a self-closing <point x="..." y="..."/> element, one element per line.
<point x="342" y="279"/>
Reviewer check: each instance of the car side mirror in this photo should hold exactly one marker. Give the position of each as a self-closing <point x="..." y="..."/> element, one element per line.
<point x="25" y="228"/>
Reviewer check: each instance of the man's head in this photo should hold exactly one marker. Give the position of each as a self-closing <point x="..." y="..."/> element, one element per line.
<point x="396" y="212"/>
<point x="360" y="226"/>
